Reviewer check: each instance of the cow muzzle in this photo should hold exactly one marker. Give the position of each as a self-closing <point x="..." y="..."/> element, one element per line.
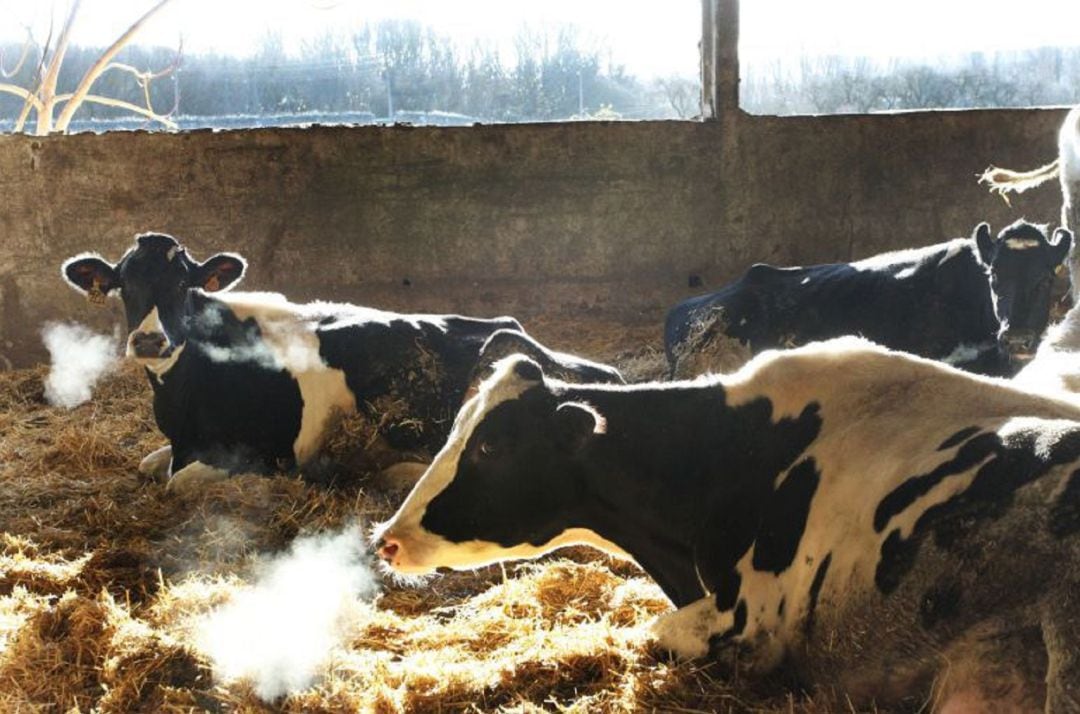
<point x="1020" y="341"/>
<point x="148" y="345"/>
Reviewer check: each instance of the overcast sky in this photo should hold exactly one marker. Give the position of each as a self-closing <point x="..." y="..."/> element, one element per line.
<point x="650" y="37"/>
<point x="911" y="28"/>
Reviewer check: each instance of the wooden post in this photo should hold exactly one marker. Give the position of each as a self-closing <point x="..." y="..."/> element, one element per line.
<point x="719" y="58"/>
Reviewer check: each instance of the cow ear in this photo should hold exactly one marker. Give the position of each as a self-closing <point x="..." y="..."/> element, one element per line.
<point x="579" y="423"/>
<point x="219" y="272"/>
<point x="90" y="274"/>
<point x="1060" y="244"/>
<point x="985" y="244"/>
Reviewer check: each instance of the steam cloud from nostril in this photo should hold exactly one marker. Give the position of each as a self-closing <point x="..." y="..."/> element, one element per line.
<point x="280" y="632"/>
<point x="79" y="358"/>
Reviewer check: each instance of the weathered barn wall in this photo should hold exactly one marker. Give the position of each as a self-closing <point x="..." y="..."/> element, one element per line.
<point x="580" y="220"/>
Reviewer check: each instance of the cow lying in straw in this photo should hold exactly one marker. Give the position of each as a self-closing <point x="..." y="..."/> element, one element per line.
<point x="871" y="522"/>
<point x="253" y="382"/>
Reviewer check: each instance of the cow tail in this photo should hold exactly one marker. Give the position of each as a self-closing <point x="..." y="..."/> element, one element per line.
<point x="1005" y="181"/>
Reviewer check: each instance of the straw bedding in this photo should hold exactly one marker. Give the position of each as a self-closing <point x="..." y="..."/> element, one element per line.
<point x="103" y="575"/>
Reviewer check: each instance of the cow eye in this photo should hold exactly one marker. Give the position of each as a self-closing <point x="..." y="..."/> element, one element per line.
<point x="486" y="449"/>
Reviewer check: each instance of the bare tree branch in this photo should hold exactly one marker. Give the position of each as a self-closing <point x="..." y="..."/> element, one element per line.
<point x="47" y="90"/>
<point x="27" y="46"/>
<point x="21" y="93"/>
<point x="99" y="67"/>
<point x="128" y="106"/>
<point x="39" y="71"/>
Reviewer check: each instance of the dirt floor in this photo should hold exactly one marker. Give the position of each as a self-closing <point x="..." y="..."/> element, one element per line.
<point x="105" y="579"/>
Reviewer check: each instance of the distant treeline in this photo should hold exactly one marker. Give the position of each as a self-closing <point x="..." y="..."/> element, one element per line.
<point x="832" y="84"/>
<point x="384" y="69"/>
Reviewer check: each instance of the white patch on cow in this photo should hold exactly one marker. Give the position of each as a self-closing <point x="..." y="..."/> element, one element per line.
<point x="954" y="249"/>
<point x="194" y="477"/>
<point x="915" y="256"/>
<point x="420" y="550"/>
<point x="275" y="306"/>
<point x="151" y="324"/>
<point x="1069" y="149"/>
<point x="907" y="272"/>
<point x="156" y="463"/>
<point x="158" y="366"/>
<point x="1022" y="243"/>
<point x="804" y="281"/>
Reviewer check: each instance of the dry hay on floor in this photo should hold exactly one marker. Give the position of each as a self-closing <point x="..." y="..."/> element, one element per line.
<point x="104" y="577"/>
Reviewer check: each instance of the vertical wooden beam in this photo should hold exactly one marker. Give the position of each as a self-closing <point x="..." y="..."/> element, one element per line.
<point x="727" y="57"/>
<point x="719" y="58"/>
<point x="708" y="59"/>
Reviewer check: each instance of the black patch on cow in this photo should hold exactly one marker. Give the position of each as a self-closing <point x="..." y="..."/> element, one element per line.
<point x="784" y="520"/>
<point x="738" y="624"/>
<point x="815" y="592"/>
<point x="970" y="454"/>
<point x="728" y="592"/>
<point x="737" y="507"/>
<point x="247" y="407"/>
<point x="1065" y="511"/>
<point x="897" y="557"/>
<point x="420" y="364"/>
<point x="940" y="603"/>
<point x="780" y="607"/>
<point x="1014" y="464"/>
<point x="958" y="438"/>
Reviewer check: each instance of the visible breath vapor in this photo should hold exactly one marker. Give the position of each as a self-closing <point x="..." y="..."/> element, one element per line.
<point x="80" y="357"/>
<point x="279" y="632"/>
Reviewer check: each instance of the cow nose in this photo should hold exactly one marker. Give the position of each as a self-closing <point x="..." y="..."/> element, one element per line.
<point x="387" y="548"/>
<point x="1021" y="340"/>
<point x="148" y="344"/>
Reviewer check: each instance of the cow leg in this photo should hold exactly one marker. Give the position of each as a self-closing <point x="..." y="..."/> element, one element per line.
<point x="156" y="463"/>
<point x="686" y="632"/>
<point x="1061" y="634"/>
<point x="194" y="477"/>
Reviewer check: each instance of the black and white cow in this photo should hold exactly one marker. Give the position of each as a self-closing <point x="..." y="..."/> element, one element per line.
<point x="859" y="518"/>
<point x="967" y="302"/>
<point x="250" y="381"/>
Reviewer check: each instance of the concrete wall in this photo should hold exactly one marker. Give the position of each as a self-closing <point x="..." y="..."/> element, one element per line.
<point x="577" y="221"/>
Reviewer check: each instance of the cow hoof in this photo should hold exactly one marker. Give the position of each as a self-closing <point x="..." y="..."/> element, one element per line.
<point x="156" y="463"/>
<point x="685" y="633"/>
<point x="401" y="476"/>
<point x="193" y="478"/>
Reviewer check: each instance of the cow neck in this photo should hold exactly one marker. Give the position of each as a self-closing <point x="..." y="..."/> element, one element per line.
<point x="672" y="479"/>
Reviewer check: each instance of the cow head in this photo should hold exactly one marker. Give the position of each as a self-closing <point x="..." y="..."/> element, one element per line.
<point x="153" y="279"/>
<point x="1021" y="262"/>
<point x="506" y="484"/>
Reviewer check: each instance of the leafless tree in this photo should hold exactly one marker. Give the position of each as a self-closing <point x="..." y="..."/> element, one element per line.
<point x="40" y="97"/>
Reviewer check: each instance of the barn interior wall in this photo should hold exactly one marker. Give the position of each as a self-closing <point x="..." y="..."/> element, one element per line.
<point x="578" y="221"/>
